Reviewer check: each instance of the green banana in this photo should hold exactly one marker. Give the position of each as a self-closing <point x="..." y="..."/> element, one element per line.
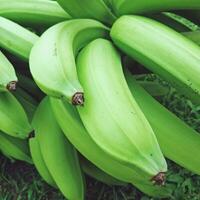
<point x="16" y="39"/>
<point x="161" y="50"/>
<point x="112" y="117"/>
<point x="172" y="133"/>
<point x="13" y="119"/>
<point x="122" y="7"/>
<point x="15" y="148"/>
<point x="74" y="130"/>
<point x="60" y="157"/>
<point x="193" y="35"/>
<point x="33" y="12"/>
<point x="28" y="102"/>
<point x="8" y="78"/>
<point x="97" y="9"/>
<point x="39" y="162"/>
<point x="55" y="71"/>
<point x="96" y="173"/>
<point x="30" y="86"/>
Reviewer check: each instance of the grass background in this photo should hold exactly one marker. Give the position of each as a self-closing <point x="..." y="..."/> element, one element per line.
<point x="20" y="181"/>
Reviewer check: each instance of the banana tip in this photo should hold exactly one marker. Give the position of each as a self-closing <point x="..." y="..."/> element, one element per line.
<point x="159" y="179"/>
<point x="78" y="99"/>
<point x="12" y="86"/>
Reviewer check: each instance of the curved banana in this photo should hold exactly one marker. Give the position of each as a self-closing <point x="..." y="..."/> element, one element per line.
<point x="74" y="130"/>
<point x="194" y="36"/>
<point x="169" y="129"/>
<point x="97" y="9"/>
<point x="13" y="119"/>
<point x="15" y="148"/>
<point x="172" y="56"/>
<point x="39" y="162"/>
<point x="122" y="7"/>
<point x="96" y="173"/>
<point x="59" y="155"/>
<point x="112" y="117"/>
<point x="28" y="102"/>
<point x="16" y="39"/>
<point x="33" y="12"/>
<point x="8" y="78"/>
<point x="55" y="71"/>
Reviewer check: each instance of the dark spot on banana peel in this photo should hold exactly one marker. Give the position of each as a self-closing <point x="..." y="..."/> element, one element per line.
<point x="78" y="99"/>
<point x="31" y="135"/>
<point x="12" y="86"/>
<point x="159" y="179"/>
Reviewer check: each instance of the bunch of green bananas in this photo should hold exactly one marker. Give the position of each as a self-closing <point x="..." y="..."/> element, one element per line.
<point x="78" y="109"/>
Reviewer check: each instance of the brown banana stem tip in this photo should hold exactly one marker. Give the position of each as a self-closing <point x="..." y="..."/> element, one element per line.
<point x="78" y="99"/>
<point x="31" y="135"/>
<point x="12" y="86"/>
<point x="159" y="179"/>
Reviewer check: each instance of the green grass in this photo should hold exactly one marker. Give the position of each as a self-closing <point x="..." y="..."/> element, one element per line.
<point x="20" y="181"/>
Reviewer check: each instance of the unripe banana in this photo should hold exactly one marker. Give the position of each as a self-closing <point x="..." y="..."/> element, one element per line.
<point x="55" y="71"/>
<point x="112" y="117"/>
<point x="59" y="155"/>
<point x="122" y="7"/>
<point x="8" y="79"/>
<point x="161" y="50"/>
<point x="193" y="35"/>
<point x="33" y="12"/>
<point x="16" y="39"/>
<point x="79" y="137"/>
<point x="39" y="162"/>
<point x="13" y="119"/>
<point x="96" y="173"/>
<point x="88" y="9"/>
<point x="177" y="140"/>
<point x="15" y="148"/>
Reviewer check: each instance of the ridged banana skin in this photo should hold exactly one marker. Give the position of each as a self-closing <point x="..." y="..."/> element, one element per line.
<point x="55" y="71"/>
<point x="88" y="9"/>
<point x="13" y="119"/>
<point x="96" y="173"/>
<point x="161" y="50"/>
<point x="72" y="126"/>
<point x="8" y="78"/>
<point x="15" y="148"/>
<point x="111" y="115"/>
<point x="16" y="39"/>
<point x="122" y="7"/>
<point x="33" y="12"/>
<point x="39" y="162"/>
<point x="194" y="36"/>
<point x="59" y="155"/>
<point x="178" y="141"/>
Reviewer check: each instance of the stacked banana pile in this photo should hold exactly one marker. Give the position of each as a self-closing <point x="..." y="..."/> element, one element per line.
<point x="77" y="108"/>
